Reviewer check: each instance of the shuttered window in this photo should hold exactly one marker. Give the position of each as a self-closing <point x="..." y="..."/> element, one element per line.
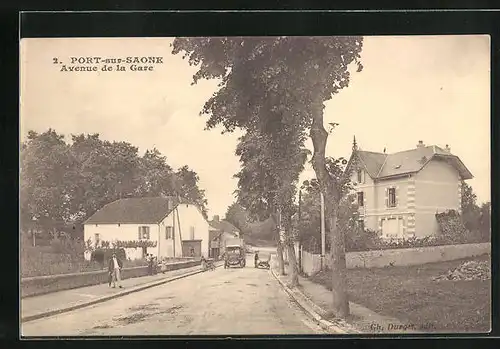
<point x="143" y="233"/>
<point x="391" y="196"/>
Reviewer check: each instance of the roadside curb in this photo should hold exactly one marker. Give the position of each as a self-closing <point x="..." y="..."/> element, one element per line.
<point x="309" y="307"/>
<point x="125" y="292"/>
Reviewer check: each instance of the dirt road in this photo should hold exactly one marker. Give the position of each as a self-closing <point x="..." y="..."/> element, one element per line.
<point x="235" y="301"/>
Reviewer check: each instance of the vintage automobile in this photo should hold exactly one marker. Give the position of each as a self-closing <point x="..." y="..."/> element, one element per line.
<point x="234" y="256"/>
<point x="263" y="260"/>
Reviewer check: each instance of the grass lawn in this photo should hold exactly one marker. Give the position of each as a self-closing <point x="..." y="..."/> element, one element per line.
<point x="410" y="295"/>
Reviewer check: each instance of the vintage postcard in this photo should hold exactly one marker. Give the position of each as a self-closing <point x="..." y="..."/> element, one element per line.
<point x="255" y="185"/>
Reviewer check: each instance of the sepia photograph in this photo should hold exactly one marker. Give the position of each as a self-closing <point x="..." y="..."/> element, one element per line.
<point x="236" y="186"/>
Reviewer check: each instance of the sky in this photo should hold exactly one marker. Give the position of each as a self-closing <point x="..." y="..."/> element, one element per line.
<point x="430" y="88"/>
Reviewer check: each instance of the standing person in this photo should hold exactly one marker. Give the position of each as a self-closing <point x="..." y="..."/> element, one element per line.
<point x="149" y="259"/>
<point x="155" y="265"/>
<point x="256" y="258"/>
<point x="203" y="263"/>
<point x="114" y="266"/>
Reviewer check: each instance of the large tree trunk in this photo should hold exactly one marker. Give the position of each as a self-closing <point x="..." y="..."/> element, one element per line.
<point x="338" y="263"/>
<point x="281" y="263"/>
<point x="292" y="260"/>
<point x="279" y="246"/>
<point x="319" y="138"/>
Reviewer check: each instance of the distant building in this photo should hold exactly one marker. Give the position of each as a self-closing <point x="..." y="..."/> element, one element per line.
<point x="220" y="232"/>
<point x="399" y="194"/>
<point x="178" y="227"/>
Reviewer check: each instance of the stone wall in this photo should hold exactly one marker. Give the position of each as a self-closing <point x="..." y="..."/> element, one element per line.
<point x="399" y="257"/>
<point x="34" y="286"/>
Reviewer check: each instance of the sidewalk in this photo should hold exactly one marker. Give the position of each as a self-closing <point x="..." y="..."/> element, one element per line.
<point x="57" y="302"/>
<point x="361" y="320"/>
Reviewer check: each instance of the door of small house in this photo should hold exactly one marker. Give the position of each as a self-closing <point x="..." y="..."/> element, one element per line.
<point x="212" y="252"/>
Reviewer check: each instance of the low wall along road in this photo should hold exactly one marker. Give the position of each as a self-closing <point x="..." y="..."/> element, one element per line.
<point x="38" y="285"/>
<point x="311" y="263"/>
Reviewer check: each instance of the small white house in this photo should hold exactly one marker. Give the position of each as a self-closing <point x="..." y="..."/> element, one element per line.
<point x="178" y="228"/>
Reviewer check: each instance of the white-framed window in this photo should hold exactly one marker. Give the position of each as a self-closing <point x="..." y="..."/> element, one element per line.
<point x="361" y="199"/>
<point x="144" y="233"/>
<point x="191" y="233"/>
<point x="169" y="233"/>
<point x="391" y="197"/>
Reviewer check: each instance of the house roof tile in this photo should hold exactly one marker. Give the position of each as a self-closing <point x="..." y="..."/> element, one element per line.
<point x="145" y="210"/>
<point x="223" y="226"/>
<point x="373" y="161"/>
<point x="380" y="165"/>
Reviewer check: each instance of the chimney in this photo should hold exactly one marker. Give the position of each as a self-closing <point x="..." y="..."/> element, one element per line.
<point x="447" y="149"/>
<point x="420" y="144"/>
<point x="216" y="218"/>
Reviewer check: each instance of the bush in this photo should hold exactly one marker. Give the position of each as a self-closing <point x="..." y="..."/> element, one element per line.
<point x="101" y="255"/>
<point x="41" y="260"/>
<point x="452" y="228"/>
<point x="71" y="247"/>
<point x="452" y="232"/>
<point x="362" y="240"/>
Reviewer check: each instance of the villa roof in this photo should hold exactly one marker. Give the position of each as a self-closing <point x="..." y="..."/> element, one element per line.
<point x="381" y="165"/>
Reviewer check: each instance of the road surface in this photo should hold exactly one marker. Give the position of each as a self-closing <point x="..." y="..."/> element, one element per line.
<point x="233" y="301"/>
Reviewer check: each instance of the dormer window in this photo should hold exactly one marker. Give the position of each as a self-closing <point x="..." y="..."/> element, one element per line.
<point x="360" y="176"/>
<point x="361" y="199"/>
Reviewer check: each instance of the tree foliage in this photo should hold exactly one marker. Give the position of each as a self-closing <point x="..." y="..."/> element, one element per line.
<point x="271" y="163"/>
<point x="280" y="83"/>
<point x="283" y="74"/>
<point x="238" y="216"/>
<point x="187" y="187"/>
<point x="348" y="215"/>
<point x="62" y="184"/>
<point x="477" y="219"/>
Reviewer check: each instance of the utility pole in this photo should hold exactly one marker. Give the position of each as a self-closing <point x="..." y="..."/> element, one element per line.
<point x="323" y="237"/>
<point x="173" y="230"/>
<point x="299" y="232"/>
<point x="281" y="234"/>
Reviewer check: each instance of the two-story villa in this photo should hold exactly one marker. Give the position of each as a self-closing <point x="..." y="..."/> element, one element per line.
<point x="399" y="194"/>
